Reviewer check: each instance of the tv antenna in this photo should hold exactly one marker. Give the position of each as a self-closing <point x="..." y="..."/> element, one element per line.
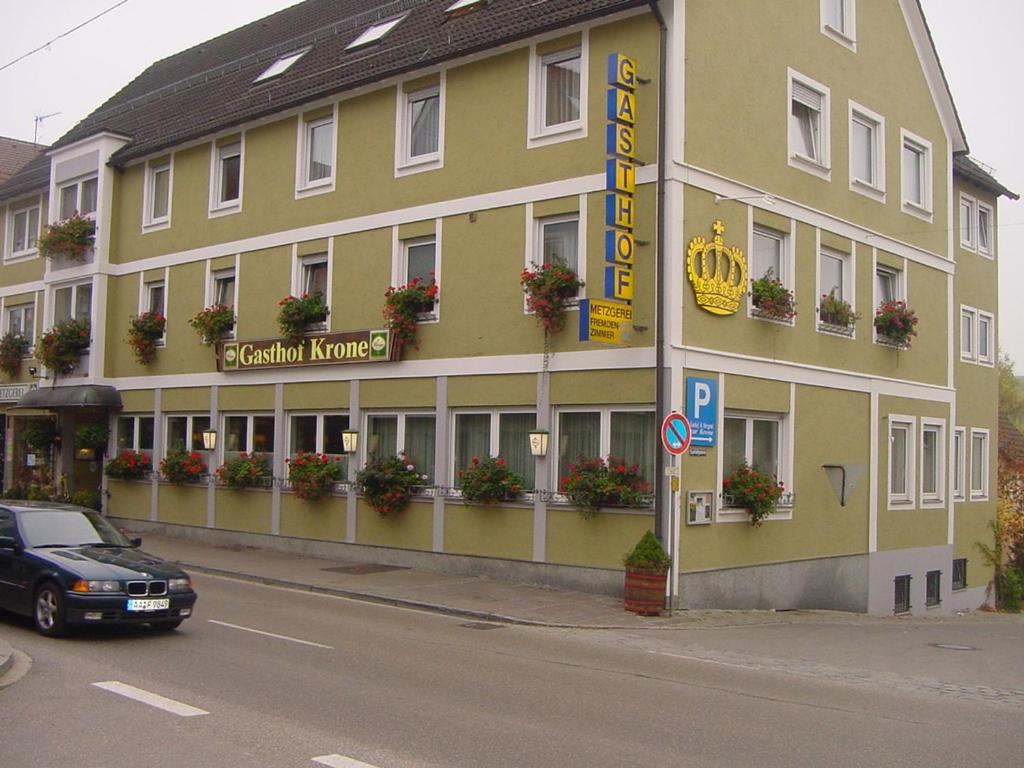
<point x="39" y="119"/>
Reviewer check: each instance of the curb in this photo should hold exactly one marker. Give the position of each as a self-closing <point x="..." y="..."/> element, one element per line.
<point x="6" y="657"/>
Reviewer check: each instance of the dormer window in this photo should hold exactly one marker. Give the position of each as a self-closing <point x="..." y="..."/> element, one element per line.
<point x="282" y="65"/>
<point x="78" y="196"/>
<point x="375" y="33"/>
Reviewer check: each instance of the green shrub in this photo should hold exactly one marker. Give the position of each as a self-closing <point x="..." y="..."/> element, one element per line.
<point x="648" y="555"/>
<point x="90" y="499"/>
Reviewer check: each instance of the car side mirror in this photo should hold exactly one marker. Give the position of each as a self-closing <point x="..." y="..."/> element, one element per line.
<point x="8" y="542"/>
<point x="137" y="541"/>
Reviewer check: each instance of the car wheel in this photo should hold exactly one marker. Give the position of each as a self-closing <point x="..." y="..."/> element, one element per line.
<point x="166" y="626"/>
<point x="48" y="610"/>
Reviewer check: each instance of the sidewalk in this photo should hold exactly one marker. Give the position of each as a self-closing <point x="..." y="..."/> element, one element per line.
<point x="475" y="598"/>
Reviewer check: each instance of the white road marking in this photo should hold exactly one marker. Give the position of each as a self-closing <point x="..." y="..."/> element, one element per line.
<point x="152" y="699"/>
<point x="270" y="634"/>
<point x="340" y="761"/>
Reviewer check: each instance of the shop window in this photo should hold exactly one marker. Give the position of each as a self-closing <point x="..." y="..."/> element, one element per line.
<point x="484" y="434"/>
<point x="410" y="433"/>
<point x="135" y="433"/>
<point x="629" y="435"/>
<point x="247" y="434"/>
<point x="318" y="433"/>
<point x="185" y="433"/>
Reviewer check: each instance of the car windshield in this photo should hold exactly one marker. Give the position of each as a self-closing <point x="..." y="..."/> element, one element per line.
<point x="67" y="528"/>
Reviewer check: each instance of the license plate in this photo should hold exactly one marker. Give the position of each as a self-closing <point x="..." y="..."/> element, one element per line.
<point x="149" y="605"/>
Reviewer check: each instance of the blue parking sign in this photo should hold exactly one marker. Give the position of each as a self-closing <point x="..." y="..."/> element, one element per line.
<point x="702" y="409"/>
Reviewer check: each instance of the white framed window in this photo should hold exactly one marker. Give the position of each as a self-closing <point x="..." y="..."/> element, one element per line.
<point x="78" y="197"/>
<point x="839" y="21"/>
<point x="986" y="338"/>
<point x="769" y="254"/>
<point x="888" y="284"/>
<point x="282" y="65"/>
<point x="184" y="432"/>
<point x="156" y="199"/>
<point x="558" y="240"/>
<point x="985" y="232"/>
<point x="23" y="226"/>
<point x="979" y="464"/>
<point x="20" y="320"/>
<point x="901" y="461"/>
<point x="246" y="433"/>
<point x="933" y="462"/>
<point x="73" y="301"/>
<point x="968" y="329"/>
<point x="223" y="287"/>
<point x="558" y="94"/>
<point x="317" y="155"/>
<point x="312" y="277"/>
<point x="411" y="433"/>
<point x="154" y="300"/>
<point x="629" y="434"/>
<point x="809" y="125"/>
<point x="419" y="261"/>
<point x="479" y="434"/>
<point x="419" y="132"/>
<point x="759" y="440"/>
<point x="867" y="152"/>
<point x="916" y="179"/>
<point x="968" y="222"/>
<point x="227" y="172"/>
<point x="959" y="462"/>
<point x="135" y="433"/>
<point x="375" y="32"/>
<point x="835" y="275"/>
<point x="319" y="433"/>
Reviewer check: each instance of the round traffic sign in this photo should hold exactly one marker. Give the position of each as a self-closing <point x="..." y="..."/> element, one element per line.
<point x="676" y="434"/>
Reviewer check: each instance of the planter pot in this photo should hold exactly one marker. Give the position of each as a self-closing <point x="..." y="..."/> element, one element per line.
<point x="644" y="591"/>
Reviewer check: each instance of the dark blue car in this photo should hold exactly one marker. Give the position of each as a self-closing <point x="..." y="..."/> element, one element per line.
<point x="65" y="566"/>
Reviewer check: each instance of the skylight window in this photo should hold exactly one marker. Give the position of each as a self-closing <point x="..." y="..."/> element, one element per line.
<point x="375" y="33"/>
<point x="460" y="7"/>
<point x="282" y="65"/>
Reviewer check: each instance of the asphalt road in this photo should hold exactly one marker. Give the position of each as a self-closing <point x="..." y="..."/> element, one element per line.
<point x="267" y="677"/>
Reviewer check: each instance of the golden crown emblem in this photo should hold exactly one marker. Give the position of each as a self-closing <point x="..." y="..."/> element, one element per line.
<point x="717" y="272"/>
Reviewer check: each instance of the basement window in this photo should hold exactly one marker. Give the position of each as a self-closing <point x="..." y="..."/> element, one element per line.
<point x="281" y="66"/>
<point x="375" y="33"/>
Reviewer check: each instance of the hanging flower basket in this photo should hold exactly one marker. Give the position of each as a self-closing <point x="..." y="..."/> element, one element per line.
<point x="181" y="467"/>
<point x="489" y="480"/>
<point x="836" y="312"/>
<point x="549" y="289"/>
<point x="144" y="331"/>
<point x="213" y="323"/>
<point x="71" y="238"/>
<point x="387" y="483"/>
<point x="91" y="435"/>
<point x="753" y="490"/>
<point x="297" y="314"/>
<point x="896" y="322"/>
<point x="129" y="465"/>
<point x="12" y="349"/>
<point x="40" y="434"/>
<point x="313" y="475"/>
<point x="771" y="299"/>
<point x="244" y="471"/>
<point x="60" y="348"/>
<point x="592" y="483"/>
<point x="403" y="308"/>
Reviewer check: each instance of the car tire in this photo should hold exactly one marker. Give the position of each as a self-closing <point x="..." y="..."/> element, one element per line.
<point x="48" y="610"/>
<point x="166" y="626"/>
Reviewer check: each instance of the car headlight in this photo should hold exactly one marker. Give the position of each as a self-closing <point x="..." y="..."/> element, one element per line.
<point x="179" y="585"/>
<point x="96" y="586"/>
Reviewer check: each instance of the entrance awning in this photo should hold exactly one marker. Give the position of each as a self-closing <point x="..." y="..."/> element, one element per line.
<point x="79" y="396"/>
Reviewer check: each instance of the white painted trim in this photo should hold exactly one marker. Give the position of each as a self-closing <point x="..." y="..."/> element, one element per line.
<point x="873" y="471"/>
<point x="843" y="37"/>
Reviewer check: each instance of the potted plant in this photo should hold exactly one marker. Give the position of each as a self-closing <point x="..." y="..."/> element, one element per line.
<point x="751" y="489"/>
<point x="144" y="331"/>
<point x="592" y="483"/>
<point x="312" y="475"/>
<point x="647" y="566"/>
<point x="61" y="346"/>
<point x="12" y="349"/>
<point x="387" y="482"/>
<point x="71" y="237"/>
<point x="180" y="467"/>
<point x="834" y="311"/>
<point x="128" y="465"/>
<point x="213" y="323"/>
<point x="771" y="299"/>
<point x="896" y="322"/>
<point x="297" y="313"/>
<point x="244" y="471"/>
<point x="549" y="289"/>
<point x="488" y="481"/>
<point x="91" y="435"/>
<point x="40" y="434"/>
<point x="403" y="308"/>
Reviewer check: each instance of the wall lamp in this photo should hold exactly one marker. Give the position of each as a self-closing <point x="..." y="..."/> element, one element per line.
<point x="539" y="442"/>
<point x="210" y="439"/>
<point x="32" y="370"/>
<point x="349" y="441"/>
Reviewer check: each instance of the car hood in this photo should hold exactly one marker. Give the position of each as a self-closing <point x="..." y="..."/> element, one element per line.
<point x="109" y="563"/>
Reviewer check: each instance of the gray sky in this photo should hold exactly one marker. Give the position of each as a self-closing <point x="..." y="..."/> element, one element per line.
<point x="978" y="42"/>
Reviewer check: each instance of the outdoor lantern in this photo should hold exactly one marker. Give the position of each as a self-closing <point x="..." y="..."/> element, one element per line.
<point x="539" y="442"/>
<point x="349" y="440"/>
<point x="209" y="439"/>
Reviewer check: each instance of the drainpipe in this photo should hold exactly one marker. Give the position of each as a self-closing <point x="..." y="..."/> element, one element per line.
<point x="659" y="274"/>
